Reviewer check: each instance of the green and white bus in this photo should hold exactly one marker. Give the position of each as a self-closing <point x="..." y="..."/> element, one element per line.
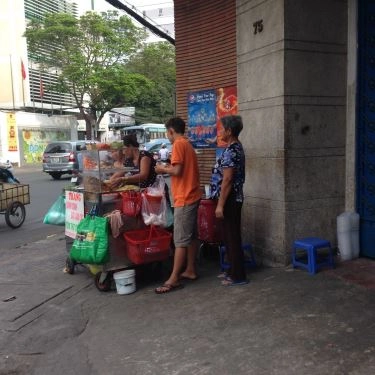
<point x="145" y="132"/>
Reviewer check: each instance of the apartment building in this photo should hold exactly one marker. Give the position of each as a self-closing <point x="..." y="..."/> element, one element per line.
<point x="24" y="85"/>
<point x="29" y="107"/>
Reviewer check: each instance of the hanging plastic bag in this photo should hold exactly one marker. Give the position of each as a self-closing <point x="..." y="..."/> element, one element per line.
<point x="56" y="214"/>
<point x="157" y="189"/>
<point x="91" y="243"/>
<point x="154" y="204"/>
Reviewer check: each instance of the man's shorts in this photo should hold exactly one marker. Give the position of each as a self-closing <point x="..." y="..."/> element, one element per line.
<point x="185" y="224"/>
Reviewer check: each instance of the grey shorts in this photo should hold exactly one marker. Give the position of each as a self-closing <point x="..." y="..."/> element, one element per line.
<point x="185" y="224"/>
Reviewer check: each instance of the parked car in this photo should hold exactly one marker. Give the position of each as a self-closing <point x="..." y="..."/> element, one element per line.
<point x="154" y="143"/>
<point x="61" y="157"/>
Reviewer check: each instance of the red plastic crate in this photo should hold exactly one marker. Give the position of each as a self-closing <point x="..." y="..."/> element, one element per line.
<point x="147" y="245"/>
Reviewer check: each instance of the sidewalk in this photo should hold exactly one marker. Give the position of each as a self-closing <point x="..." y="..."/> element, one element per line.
<point x="283" y="322"/>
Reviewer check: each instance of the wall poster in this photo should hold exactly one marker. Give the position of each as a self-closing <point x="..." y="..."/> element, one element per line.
<point x="205" y="108"/>
<point x="226" y="105"/>
<point x="202" y="118"/>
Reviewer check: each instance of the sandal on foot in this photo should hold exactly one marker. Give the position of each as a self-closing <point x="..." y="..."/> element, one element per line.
<point x="166" y="288"/>
<point x="230" y="282"/>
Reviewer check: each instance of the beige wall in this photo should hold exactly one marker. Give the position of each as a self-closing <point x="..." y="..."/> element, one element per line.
<point x="12" y="49"/>
<point x="292" y="96"/>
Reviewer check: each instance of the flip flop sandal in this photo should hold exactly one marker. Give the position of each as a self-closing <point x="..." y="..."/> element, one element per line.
<point x="167" y="288"/>
<point x="229" y="282"/>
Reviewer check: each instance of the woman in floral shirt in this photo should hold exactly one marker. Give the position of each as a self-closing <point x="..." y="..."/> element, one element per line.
<point x="228" y="177"/>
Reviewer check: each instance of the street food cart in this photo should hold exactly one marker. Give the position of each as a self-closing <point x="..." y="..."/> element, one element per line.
<point x="130" y="242"/>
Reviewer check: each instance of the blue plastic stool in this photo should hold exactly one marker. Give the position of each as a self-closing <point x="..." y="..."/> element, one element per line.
<point x="311" y="246"/>
<point x="249" y="257"/>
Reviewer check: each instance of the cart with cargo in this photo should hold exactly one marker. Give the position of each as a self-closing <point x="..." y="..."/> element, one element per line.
<point x="13" y="198"/>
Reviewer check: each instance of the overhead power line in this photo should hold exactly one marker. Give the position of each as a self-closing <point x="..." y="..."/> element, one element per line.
<point x="140" y="18"/>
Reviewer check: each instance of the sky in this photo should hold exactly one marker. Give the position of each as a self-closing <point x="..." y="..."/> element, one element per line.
<point x="102" y="5"/>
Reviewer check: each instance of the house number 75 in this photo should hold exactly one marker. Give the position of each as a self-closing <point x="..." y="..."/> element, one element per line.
<point x="258" y="26"/>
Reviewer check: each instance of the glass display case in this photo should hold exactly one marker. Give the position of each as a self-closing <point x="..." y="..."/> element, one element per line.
<point x="98" y="167"/>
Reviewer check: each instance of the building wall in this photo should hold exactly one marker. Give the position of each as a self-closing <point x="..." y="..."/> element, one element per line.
<point x="292" y="94"/>
<point x="12" y="50"/>
<point x="315" y="120"/>
<point x="205" y="55"/>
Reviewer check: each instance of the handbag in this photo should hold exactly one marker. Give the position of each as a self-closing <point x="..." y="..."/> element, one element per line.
<point x="91" y="243"/>
<point x="56" y="213"/>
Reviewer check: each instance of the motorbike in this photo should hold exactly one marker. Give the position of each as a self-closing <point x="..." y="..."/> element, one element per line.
<point x="6" y="174"/>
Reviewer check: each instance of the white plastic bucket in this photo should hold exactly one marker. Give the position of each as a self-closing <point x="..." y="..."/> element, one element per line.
<point x="348" y="235"/>
<point x="125" y="281"/>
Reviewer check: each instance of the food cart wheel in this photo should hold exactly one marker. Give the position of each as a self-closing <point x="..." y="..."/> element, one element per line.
<point x="15" y="214"/>
<point x="69" y="265"/>
<point x="103" y="281"/>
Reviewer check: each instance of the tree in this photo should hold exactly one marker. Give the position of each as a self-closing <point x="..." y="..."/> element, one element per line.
<point x="156" y="61"/>
<point x="90" y="56"/>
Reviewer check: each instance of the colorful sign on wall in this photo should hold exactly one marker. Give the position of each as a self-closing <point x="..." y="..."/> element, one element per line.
<point x="226" y="105"/>
<point x="205" y="108"/>
<point x="34" y="142"/>
<point x="12" y="132"/>
<point x="202" y="118"/>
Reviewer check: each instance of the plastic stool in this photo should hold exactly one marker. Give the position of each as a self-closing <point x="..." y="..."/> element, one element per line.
<point x="311" y="245"/>
<point x="249" y="257"/>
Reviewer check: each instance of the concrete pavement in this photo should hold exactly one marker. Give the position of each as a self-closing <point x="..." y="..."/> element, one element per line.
<point x="283" y="322"/>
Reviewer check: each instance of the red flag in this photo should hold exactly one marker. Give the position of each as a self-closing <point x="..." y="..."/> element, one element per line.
<point x="23" y="71"/>
<point x="41" y="88"/>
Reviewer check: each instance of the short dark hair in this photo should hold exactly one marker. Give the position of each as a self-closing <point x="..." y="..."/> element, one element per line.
<point x="130" y="140"/>
<point x="177" y="124"/>
<point x="232" y="122"/>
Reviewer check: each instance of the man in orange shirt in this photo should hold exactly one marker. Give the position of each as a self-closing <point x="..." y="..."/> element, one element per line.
<point x="186" y="196"/>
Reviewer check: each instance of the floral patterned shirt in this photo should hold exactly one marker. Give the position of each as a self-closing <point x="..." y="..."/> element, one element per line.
<point x="152" y="174"/>
<point x="233" y="156"/>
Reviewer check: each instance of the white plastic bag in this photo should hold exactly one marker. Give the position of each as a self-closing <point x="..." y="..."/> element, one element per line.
<point x="154" y="204"/>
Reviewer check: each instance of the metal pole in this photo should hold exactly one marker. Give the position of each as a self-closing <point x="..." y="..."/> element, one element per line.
<point x="11" y="79"/>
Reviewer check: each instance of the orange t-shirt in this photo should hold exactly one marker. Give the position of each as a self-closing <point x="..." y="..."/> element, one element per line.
<point x="186" y="187"/>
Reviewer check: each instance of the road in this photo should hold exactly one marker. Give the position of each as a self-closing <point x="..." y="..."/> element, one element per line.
<point x="44" y="191"/>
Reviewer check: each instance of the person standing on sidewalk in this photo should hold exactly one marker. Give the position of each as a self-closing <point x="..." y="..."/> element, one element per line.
<point x="186" y="192"/>
<point x="227" y="186"/>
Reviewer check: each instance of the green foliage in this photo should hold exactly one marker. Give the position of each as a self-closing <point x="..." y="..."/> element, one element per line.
<point x="156" y="61"/>
<point x="89" y="55"/>
<point x="103" y="62"/>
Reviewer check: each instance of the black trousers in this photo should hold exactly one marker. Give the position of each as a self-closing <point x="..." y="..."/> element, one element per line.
<point x="232" y="238"/>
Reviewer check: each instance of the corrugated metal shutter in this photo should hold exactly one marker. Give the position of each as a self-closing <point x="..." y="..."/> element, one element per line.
<point x="206" y="57"/>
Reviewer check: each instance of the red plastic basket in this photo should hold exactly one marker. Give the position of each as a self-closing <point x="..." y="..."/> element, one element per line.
<point x="131" y="202"/>
<point x="147" y="245"/>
